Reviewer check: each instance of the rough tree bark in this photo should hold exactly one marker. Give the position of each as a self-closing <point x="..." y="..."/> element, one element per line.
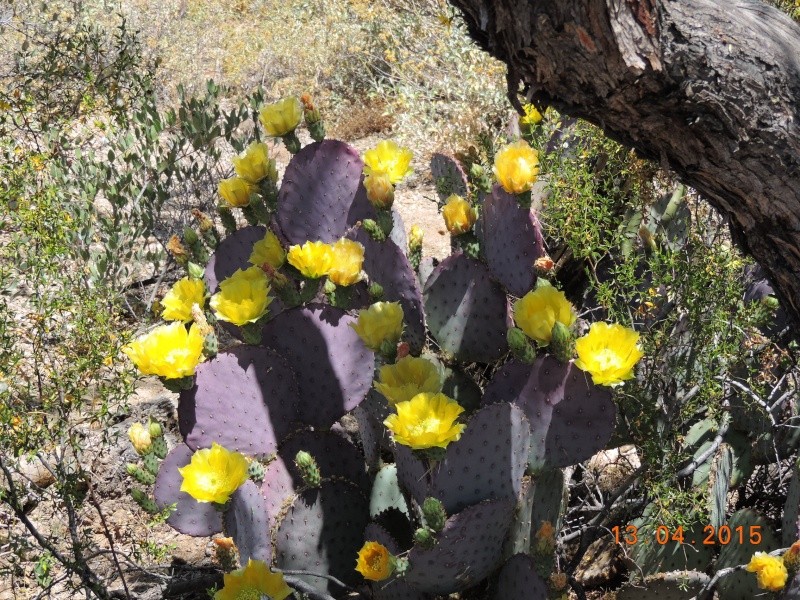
<point x="710" y="88"/>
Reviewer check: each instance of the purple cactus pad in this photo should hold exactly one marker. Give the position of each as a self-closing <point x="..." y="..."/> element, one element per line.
<point x="318" y="192"/>
<point x="487" y="462"/>
<point x="447" y="169"/>
<point x="511" y="241"/>
<point x="411" y="473"/>
<point x="233" y="253"/>
<point x="571" y="418"/>
<point x="247" y="522"/>
<point x="394" y="588"/>
<point x="518" y="579"/>
<point x="467" y="549"/>
<point x="245" y="399"/>
<point x="333" y="367"/>
<point x="467" y="310"/>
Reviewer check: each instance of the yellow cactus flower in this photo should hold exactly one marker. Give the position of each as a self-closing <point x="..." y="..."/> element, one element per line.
<point x="459" y="215"/>
<point x="389" y="158"/>
<point x="236" y="191"/>
<point x="380" y="190"/>
<point x="516" y="167"/>
<point x="179" y="300"/>
<point x="348" y="258"/>
<point x="139" y="436"/>
<point x="214" y="474"/>
<point x="282" y="117"/>
<point x="268" y="250"/>
<point x="538" y="310"/>
<point x="408" y="377"/>
<point x="243" y="297"/>
<point x="253" y="582"/>
<point x="169" y="351"/>
<point x="381" y="322"/>
<point x="770" y="571"/>
<point x="426" y="421"/>
<point x="254" y="164"/>
<point x="312" y="259"/>
<point x="608" y="353"/>
<point x="532" y="116"/>
<point x="374" y="561"/>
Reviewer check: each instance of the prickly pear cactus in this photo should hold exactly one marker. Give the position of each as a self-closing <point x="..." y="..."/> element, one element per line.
<point x="739" y="551"/>
<point x="448" y="177"/>
<point x="675" y="585"/>
<point x="519" y="579"/>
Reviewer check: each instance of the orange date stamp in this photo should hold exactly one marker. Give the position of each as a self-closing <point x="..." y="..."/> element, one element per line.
<point x="662" y="535"/>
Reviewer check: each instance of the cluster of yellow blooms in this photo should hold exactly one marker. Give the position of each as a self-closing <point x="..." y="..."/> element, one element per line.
<point x="608" y="353"/>
<point x="341" y="262"/>
<point x="251" y="167"/>
<point x="243" y="297"/>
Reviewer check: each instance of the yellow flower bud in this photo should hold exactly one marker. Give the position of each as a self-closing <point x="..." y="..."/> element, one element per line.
<point x="381" y="322"/>
<point x="168" y="351"/>
<point x="390" y="159"/>
<point x="348" y="257"/>
<point x="184" y="294"/>
<point x="415" y="237"/>
<point x="236" y="191"/>
<point x="254" y="164"/>
<point x="459" y="215"/>
<point x="608" y="353"/>
<point x="139" y="436"/>
<point x="213" y="474"/>
<point x="243" y="297"/>
<point x="268" y="250"/>
<point x="538" y="310"/>
<point x="282" y="117"/>
<point x="312" y="259"/>
<point x="374" y="561"/>
<point x="426" y="421"/>
<point x="380" y="191"/>
<point x="516" y="167"/>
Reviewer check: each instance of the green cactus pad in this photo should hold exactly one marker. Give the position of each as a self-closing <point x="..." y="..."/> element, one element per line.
<point x="448" y="177"/>
<point x="246" y="521"/>
<point x="511" y="240"/>
<point x="322" y="532"/>
<point x="719" y="483"/>
<point x="518" y="579"/>
<point x="467" y="310"/>
<point x="742" y="585"/>
<point x="571" y="419"/>
<point x="245" y="399"/>
<point x="790" y="524"/>
<point x="386" y="492"/>
<point x="650" y="557"/>
<point x="386" y="264"/>
<point x="318" y="193"/>
<point x="675" y="585"/>
<point x="412" y="473"/>
<point x="333" y="366"/>
<point x="467" y="550"/>
<point x="190" y="516"/>
<point x="335" y="457"/>
<point x="550" y="497"/>
<point x="394" y="588"/>
<point x="487" y="462"/>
